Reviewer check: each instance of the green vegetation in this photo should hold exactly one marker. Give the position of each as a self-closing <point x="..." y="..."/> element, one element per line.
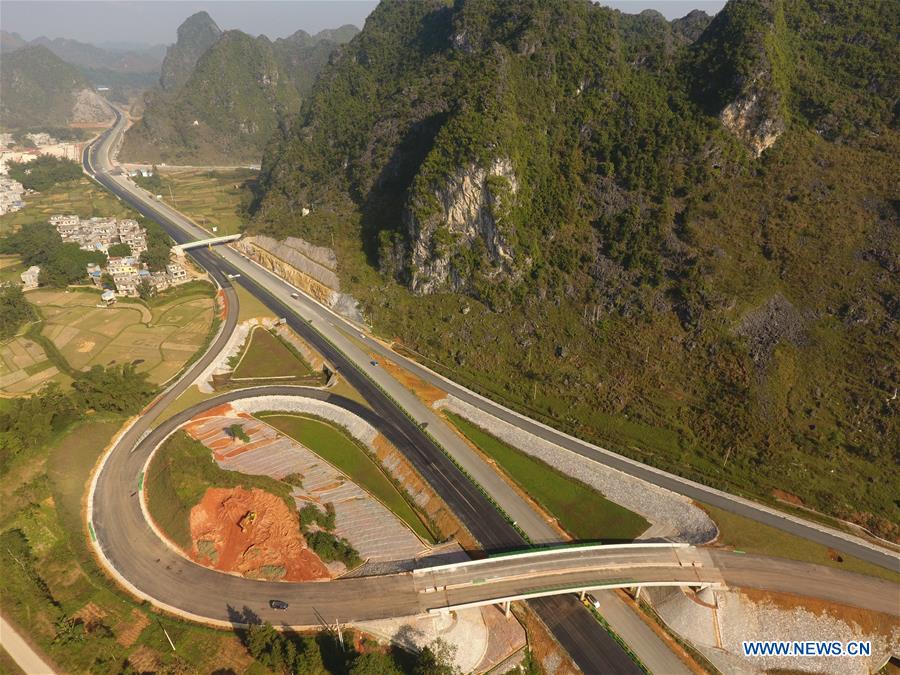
<point x="14" y="311"/>
<point x="83" y="198"/>
<point x="52" y="588"/>
<point x="37" y="89"/>
<point x="152" y="183"/>
<point x="267" y="356"/>
<point x="331" y="548"/>
<point x="159" y="246"/>
<point x="349" y="457"/>
<point x="749" y="536"/>
<point x="179" y="475"/>
<point x="32" y="422"/>
<point x="286" y="652"/>
<point x="224" y="109"/>
<point x="237" y="432"/>
<point x="118" y="250"/>
<point x="662" y="291"/>
<point x="40" y="244"/>
<point x="45" y="172"/>
<point x="580" y="510"/>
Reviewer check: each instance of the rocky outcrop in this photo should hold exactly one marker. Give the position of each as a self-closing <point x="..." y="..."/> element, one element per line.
<point x="197" y="34"/>
<point x="754" y="117"/>
<point x="91" y="108"/>
<point x="457" y="226"/>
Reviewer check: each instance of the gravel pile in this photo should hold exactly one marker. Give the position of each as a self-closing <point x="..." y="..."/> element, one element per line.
<point x="671" y="515"/>
<point x="740" y="619"/>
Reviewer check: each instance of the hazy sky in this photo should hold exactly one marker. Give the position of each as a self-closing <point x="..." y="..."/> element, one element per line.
<point x="155" y="21"/>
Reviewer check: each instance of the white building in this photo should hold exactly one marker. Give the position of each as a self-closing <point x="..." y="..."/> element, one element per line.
<point x="30" y="277"/>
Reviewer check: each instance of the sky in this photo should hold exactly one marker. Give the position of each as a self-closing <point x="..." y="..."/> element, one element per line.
<point x="155" y="21"/>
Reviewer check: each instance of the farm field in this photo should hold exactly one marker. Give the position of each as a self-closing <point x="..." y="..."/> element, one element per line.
<point x="158" y="339"/>
<point x="83" y="198"/>
<point x="25" y="367"/>
<point x="210" y="198"/>
<point x="581" y="511"/>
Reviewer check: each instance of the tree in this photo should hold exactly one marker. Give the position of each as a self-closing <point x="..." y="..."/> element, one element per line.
<point x="145" y="289"/>
<point x="115" y="389"/>
<point x="14" y="311"/>
<point x="156" y="257"/>
<point x="437" y="659"/>
<point x="118" y="251"/>
<point x="44" y="172"/>
<point x="236" y="431"/>
<point x="107" y="281"/>
<point x="374" y="663"/>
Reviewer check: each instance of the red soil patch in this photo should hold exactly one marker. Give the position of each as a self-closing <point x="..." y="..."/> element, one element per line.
<point x="787" y="497"/>
<point x="226" y="537"/>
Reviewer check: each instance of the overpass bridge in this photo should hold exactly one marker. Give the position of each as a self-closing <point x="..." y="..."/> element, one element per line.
<point x="530" y="574"/>
<point x="181" y="248"/>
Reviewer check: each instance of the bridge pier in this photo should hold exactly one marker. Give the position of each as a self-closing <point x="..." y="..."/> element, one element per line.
<point x="506" y="608"/>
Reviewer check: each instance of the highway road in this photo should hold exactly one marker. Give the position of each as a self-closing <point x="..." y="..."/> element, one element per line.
<point x="155" y="570"/>
<point x="330" y="334"/>
<point x="337" y="329"/>
<point x="590" y="647"/>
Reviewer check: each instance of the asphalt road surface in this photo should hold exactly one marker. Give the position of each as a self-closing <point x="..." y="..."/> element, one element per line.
<point x="578" y="632"/>
<point x="575" y="629"/>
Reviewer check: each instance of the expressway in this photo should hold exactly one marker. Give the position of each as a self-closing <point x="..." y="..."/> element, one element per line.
<point x="591" y="648"/>
<point x="337" y="330"/>
<point x="338" y="340"/>
<point x="154" y="570"/>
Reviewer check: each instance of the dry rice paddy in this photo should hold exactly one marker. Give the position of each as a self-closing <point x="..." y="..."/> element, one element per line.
<point x="158" y="340"/>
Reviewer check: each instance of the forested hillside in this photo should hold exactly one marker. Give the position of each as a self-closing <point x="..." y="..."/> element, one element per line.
<point x="222" y="95"/>
<point x="679" y="239"/>
<point x="38" y="89"/>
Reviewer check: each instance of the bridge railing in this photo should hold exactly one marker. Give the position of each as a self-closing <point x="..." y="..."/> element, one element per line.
<point x="551" y="550"/>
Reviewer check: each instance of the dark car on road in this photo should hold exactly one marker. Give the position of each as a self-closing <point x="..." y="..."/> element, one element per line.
<point x="278" y="604"/>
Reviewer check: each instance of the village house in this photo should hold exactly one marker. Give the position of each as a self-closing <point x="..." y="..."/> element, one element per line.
<point x="98" y="234"/>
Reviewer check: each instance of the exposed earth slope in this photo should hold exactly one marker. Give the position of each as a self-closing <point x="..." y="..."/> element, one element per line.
<point x="674" y="238"/>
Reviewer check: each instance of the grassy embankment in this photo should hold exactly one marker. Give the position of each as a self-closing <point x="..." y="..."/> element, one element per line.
<point x="178" y="477"/>
<point x="267" y="356"/>
<point x="581" y="511"/>
<point x="337" y="448"/>
<point x="749" y="536"/>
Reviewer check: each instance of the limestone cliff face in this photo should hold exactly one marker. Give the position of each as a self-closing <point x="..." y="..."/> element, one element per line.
<point x="755" y="117"/>
<point x="197" y="34"/>
<point x="308" y="267"/>
<point x="456" y="228"/>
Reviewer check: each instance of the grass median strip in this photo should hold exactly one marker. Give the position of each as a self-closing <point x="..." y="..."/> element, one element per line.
<point x="348" y="456"/>
<point x="749" y="536"/>
<point x="580" y="510"/>
<point x="266" y="356"/>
